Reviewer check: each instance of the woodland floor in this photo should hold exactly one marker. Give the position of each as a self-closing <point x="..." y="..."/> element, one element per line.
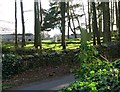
<point x="43" y="73"/>
<point x="38" y="75"/>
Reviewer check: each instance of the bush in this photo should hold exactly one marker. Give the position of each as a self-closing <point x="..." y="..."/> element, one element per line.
<point x="11" y="65"/>
<point x="95" y="75"/>
<point x="116" y="64"/>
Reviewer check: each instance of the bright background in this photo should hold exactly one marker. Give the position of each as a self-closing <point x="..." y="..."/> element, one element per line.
<point x="7" y="13"/>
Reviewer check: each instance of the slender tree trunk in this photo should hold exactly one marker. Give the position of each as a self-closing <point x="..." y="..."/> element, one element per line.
<point x="95" y="28"/>
<point x="89" y="17"/>
<point x="68" y="15"/>
<point x="116" y="10"/>
<point x="23" y="26"/>
<point x="39" y="23"/>
<point x="100" y="26"/>
<point x="85" y="15"/>
<point x="16" y="38"/>
<point x="35" y="25"/>
<point x="62" y="8"/>
<point x="73" y="25"/>
<point x="119" y="19"/>
<point x="100" y="21"/>
<point x="112" y="15"/>
<point x="106" y="23"/>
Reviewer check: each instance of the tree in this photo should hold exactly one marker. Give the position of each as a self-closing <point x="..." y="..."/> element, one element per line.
<point x="119" y="18"/>
<point x="62" y="8"/>
<point x="39" y="23"/>
<point x="100" y="20"/>
<point x="68" y="15"/>
<point x="89" y="16"/>
<point x="35" y="26"/>
<point x="16" y="38"/>
<point x="95" y="28"/>
<point x="112" y="15"/>
<point x="23" y="25"/>
<point x="74" y="28"/>
<point x="106" y="23"/>
<point x="116" y="10"/>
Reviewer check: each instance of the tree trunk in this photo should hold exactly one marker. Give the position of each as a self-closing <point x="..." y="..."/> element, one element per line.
<point x="35" y="25"/>
<point x="40" y="22"/>
<point x="106" y="23"/>
<point x="119" y="18"/>
<point x="112" y="15"/>
<point x="68" y="15"/>
<point x="16" y="38"/>
<point x="62" y="8"/>
<point x="95" y="28"/>
<point x="23" y="26"/>
<point x="85" y="15"/>
<point x="100" y="26"/>
<point x="73" y="25"/>
<point x="116" y="10"/>
<point x="89" y="17"/>
<point x="100" y="21"/>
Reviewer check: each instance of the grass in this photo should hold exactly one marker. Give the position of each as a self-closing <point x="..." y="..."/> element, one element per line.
<point x="47" y="44"/>
<point x="50" y="45"/>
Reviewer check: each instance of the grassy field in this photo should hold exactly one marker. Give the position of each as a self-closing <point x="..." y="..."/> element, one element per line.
<point x="50" y="45"/>
<point x="47" y="44"/>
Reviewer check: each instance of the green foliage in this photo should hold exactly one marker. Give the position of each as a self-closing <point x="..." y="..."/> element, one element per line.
<point x="11" y="65"/>
<point x="116" y="64"/>
<point x="94" y="74"/>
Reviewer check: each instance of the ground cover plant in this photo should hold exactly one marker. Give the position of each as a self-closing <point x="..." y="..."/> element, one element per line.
<point x="95" y="74"/>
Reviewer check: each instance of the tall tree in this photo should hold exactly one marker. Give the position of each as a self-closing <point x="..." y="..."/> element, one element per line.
<point x="119" y="18"/>
<point x="23" y="25"/>
<point x="89" y="16"/>
<point x="62" y="8"/>
<point x="100" y="20"/>
<point x="16" y="38"/>
<point x="74" y="28"/>
<point x="106" y="23"/>
<point x="35" y="26"/>
<point x="116" y="11"/>
<point x="39" y="22"/>
<point x="68" y="15"/>
<point x="112" y="15"/>
<point x="40" y="38"/>
<point x="95" y="28"/>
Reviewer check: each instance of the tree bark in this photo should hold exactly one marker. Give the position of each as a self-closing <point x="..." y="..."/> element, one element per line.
<point x="40" y="22"/>
<point x="119" y="19"/>
<point x="89" y="17"/>
<point x="73" y="25"/>
<point x="62" y="8"/>
<point x="116" y="10"/>
<point x="68" y="15"/>
<point x="95" y="28"/>
<point x="35" y="26"/>
<point x="16" y="38"/>
<point x="106" y="23"/>
<point x="23" y="26"/>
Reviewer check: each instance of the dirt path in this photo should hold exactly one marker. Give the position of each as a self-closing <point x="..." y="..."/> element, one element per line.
<point x="50" y="84"/>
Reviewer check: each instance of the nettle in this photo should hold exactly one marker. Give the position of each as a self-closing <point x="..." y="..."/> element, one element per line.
<point x="94" y="74"/>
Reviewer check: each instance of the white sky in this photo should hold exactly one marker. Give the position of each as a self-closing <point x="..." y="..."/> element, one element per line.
<point x="7" y="13"/>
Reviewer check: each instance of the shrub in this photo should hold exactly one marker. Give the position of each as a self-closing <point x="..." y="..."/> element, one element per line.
<point x="116" y="64"/>
<point x="95" y="75"/>
<point x="11" y="65"/>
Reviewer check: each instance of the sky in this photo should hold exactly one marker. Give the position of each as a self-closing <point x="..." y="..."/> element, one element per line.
<point x="7" y="14"/>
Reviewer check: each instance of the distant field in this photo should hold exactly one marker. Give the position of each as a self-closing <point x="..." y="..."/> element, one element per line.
<point x="49" y="44"/>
